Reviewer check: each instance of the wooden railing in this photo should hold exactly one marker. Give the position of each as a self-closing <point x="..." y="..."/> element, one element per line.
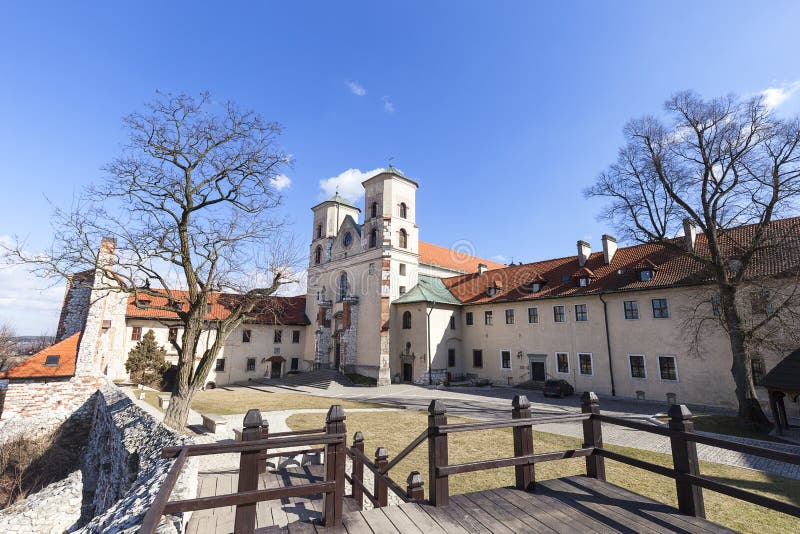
<point x="257" y="442"/>
<point x="689" y="483"/>
<point x="254" y="447"/>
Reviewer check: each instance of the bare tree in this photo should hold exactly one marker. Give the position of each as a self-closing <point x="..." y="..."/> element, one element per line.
<point x="7" y="345"/>
<point x="191" y="205"/>
<point x="717" y="165"/>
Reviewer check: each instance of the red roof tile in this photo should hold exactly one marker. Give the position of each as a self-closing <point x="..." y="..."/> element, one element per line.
<point x="34" y="367"/>
<point x="672" y="267"/>
<point x="452" y="259"/>
<point x="272" y="310"/>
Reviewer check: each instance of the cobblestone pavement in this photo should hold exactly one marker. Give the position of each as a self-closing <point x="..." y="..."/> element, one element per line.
<point x="495" y="403"/>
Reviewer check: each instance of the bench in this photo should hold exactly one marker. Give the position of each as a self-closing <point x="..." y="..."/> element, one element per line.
<point x="163" y="401"/>
<point x="212" y="421"/>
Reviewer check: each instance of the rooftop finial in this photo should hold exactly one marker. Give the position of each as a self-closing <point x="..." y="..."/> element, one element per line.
<point x="391" y="167"/>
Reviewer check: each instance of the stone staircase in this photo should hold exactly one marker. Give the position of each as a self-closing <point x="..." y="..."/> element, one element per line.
<point x="320" y="379"/>
<point x="530" y="384"/>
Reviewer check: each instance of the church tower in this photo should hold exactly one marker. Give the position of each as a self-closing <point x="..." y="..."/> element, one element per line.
<point x="356" y="270"/>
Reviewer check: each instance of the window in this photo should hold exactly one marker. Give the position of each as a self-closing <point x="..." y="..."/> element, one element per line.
<point x="319" y="231"/>
<point x="646" y="275"/>
<point x="715" y="306"/>
<point x="585" y="363"/>
<point x="220" y="365"/>
<point x="295" y="336"/>
<point x="251" y="364"/>
<point x="666" y="368"/>
<point x="451" y="357"/>
<point x="295" y="364"/>
<point x="760" y="303"/>
<point x="373" y="239"/>
<point x="468" y="318"/>
<point x="660" y="309"/>
<point x="136" y="333"/>
<point x="403" y="210"/>
<point x="371" y="268"/>
<point x="505" y="359"/>
<point x="583" y="281"/>
<point x="403" y="239"/>
<point x="636" y="362"/>
<point x="406" y="320"/>
<point x="533" y="315"/>
<point x="172" y="335"/>
<point x="402" y="268"/>
<point x="178" y="306"/>
<point x="402" y="290"/>
<point x="208" y="308"/>
<point x="318" y="255"/>
<point x="487" y="318"/>
<point x="631" y="309"/>
<point x="558" y="314"/>
<point x="348" y="239"/>
<point x="537" y="286"/>
<point x="756" y="367"/>
<point x="452" y="322"/>
<point x="373" y="210"/>
<point x="246" y="334"/>
<point x="477" y="358"/>
<point x="277" y="337"/>
<point x="52" y="360"/>
<point x="581" y="312"/>
<point x="342" y="286"/>
<point x="562" y="362"/>
<point x="509" y="316"/>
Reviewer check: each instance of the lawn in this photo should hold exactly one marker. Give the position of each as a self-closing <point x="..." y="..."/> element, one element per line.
<point x="397" y="429"/>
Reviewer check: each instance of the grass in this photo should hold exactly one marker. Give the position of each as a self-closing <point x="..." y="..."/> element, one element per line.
<point x="395" y="430"/>
<point x="729" y="425"/>
<point x="235" y="400"/>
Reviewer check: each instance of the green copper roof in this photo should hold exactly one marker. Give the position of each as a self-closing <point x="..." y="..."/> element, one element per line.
<point x="340" y="200"/>
<point x="429" y="289"/>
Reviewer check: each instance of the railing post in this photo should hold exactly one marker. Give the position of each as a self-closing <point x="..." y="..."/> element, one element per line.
<point x="358" y="470"/>
<point x="523" y="443"/>
<point x="380" y="488"/>
<point x="415" y="489"/>
<point x="334" y="467"/>
<point x="684" y="458"/>
<point x="248" y="473"/>
<point x="262" y="456"/>
<point x="593" y="435"/>
<point x="439" y="492"/>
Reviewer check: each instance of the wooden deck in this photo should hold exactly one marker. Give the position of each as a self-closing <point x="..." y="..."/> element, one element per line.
<point x="574" y="504"/>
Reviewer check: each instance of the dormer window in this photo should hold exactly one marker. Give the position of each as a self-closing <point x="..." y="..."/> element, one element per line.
<point x="142" y="302"/>
<point x="646" y="275"/>
<point x="584" y="277"/>
<point x="492" y="291"/>
<point x="583" y="281"/>
<point x="646" y="270"/>
<point x="537" y="286"/>
<point x="52" y="361"/>
<point x="177" y="306"/>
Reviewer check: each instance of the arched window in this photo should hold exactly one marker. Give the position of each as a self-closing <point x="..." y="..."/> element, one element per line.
<point x="403" y="239"/>
<point x="374" y="210"/>
<point x="319" y="231"/>
<point x="342" y="286"/>
<point x="406" y="320"/>
<point x="403" y="210"/>
<point x="373" y="239"/>
<point x="318" y="255"/>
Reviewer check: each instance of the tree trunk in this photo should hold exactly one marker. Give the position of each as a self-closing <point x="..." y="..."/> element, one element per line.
<point x="185" y="388"/>
<point x="750" y="409"/>
<point x="179" y="404"/>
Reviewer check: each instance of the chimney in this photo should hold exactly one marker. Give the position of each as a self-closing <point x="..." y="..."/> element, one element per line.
<point x="584" y="249"/>
<point x="105" y="256"/>
<point x="609" y="248"/>
<point x="482" y="268"/>
<point x="689" y="234"/>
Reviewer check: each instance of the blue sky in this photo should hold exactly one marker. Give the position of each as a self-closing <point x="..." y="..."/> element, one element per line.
<point x="502" y="111"/>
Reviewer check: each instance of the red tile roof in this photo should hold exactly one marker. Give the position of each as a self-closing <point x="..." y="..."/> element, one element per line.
<point x="452" y="259"/>
<point x="272" y="310"/>
<point x="672" y="268"/>
<point x="34" y="367"/>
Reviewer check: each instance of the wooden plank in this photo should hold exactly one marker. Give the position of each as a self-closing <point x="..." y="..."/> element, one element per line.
<point x="279" y="516"/>
<point x="401" y="520"/>
<point x="301" y="527"/>
<point x="464" y="518"/>
<point x="530" y="521"/>
<point x="378" y="521"/>
<point x="423" y="521"/>
<point x="225" y="515"/>
<point x="548" y="510"/>
<point x="479" y="514"/>
<point x="509" y="521"/>
<point x="354" y="523"/>
<point x="443" y="519"/>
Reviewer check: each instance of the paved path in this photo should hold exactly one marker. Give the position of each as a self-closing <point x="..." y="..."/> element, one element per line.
<point x="495" y="403"/>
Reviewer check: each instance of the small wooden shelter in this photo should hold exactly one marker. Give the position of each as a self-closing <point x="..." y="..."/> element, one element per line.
<point x="782" y="381"/>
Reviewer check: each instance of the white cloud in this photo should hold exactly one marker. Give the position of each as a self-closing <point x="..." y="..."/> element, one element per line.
<point x="348" y="183"/>
<point x="388" y="105"/>
<point x="774" y="97"/>
<point x="281" y="182"/>
<point x="355" y="88"/>
<point x="500" y="258"/>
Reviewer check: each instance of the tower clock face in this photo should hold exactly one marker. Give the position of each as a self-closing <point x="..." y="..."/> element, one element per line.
<point x="348" y="239"/>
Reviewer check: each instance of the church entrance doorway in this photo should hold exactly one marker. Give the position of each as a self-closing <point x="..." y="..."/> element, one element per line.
<point x="337" y="355"/>
<point x="408" y="372"/>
